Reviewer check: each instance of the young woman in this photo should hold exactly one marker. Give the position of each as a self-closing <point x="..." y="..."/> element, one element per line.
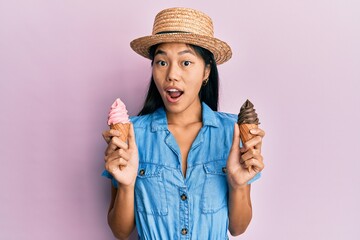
<point x="182" y="173"/>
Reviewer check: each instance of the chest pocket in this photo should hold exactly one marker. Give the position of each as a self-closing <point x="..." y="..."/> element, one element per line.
<point x="150" y="194"/>
<point x="215" y="191"/>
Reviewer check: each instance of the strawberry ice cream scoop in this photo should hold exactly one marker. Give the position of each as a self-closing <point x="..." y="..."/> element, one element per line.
<point x="118" y="113"/>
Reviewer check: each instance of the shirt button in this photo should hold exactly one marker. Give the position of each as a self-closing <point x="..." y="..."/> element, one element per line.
<point x="224" y="169"/>
<point x="183" y="197"/>
<point x="142" y="172"/>
<point x="184" y="231"/>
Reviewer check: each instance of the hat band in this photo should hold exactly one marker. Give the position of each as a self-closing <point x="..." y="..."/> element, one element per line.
<point x="166" y="32"/>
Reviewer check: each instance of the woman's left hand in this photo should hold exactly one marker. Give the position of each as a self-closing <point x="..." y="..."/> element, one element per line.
<point x="244" y="163"/>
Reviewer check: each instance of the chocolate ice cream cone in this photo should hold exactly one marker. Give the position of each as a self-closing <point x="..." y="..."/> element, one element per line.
<point x="247" y="120"/>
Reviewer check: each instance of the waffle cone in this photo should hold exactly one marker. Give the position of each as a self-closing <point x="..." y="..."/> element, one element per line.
<point x="123" y="128"/>
<point x="245" y="134"/>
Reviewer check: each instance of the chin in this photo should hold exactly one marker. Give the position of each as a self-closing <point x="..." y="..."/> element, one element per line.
<point x="173" y="108"/>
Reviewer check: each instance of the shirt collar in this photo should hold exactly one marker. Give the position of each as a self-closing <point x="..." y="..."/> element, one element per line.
<point x="159" y="120"/>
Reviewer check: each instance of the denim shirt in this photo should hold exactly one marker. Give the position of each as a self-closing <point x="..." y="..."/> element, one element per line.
<point x="169" y="205"/>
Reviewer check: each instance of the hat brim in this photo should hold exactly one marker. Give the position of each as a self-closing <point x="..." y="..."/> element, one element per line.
<point x="220" y="49"/>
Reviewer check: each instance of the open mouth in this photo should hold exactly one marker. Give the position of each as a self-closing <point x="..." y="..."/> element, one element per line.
<point x="173" y="94"/>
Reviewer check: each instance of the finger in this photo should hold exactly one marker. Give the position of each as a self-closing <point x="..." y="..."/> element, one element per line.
<point x="116" y="159"/>
<point x="110" y="148"/>
<point x="258" y="146"/>
<point x="236" y="138"/>
<point x="111" y="156"/>
<point x="108" y="134"/>
<point x="114" y="166"/>
<point x="250" y="153"/>
<point x="119" y="143"/>
<point x="251" y="143"/>
<point x="258" y="132"/>
<point x="131" y="138"/>
<point x="120" y="156"/>
<point x="253" y="163"/>
<point x="122" y="162"/>
<point x="113" y="145"/>
<point x="123" y="154"/>
<point x="120" y="153"/>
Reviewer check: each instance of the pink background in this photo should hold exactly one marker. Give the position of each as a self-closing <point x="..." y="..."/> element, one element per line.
<point x="62" y="63"/>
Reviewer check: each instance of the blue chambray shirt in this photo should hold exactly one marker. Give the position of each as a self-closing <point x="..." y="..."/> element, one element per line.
<point x="169" y="205"/>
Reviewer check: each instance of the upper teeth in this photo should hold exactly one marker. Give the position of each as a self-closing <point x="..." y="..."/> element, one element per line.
<point x="173" y="90"/>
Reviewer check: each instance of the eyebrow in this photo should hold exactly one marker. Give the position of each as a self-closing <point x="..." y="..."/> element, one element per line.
<point x="161" y="52"/>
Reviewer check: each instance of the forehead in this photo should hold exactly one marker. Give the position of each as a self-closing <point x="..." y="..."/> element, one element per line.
<point x="175" y="48"/>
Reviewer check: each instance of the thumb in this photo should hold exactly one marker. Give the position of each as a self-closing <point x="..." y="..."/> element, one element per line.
<point x="131" y="137"/>
<point x="236" y="138"/>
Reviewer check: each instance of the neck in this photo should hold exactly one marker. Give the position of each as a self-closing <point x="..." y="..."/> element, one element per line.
<point x="190" y="115"/>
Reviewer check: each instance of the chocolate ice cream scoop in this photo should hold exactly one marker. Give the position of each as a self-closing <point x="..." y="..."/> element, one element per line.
<point x="247" y="114"/>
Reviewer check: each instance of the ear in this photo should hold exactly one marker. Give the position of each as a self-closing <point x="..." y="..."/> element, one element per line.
<point x="207" y="71"/>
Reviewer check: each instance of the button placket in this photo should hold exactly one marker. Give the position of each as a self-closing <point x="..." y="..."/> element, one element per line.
<point x="184" y="213"/>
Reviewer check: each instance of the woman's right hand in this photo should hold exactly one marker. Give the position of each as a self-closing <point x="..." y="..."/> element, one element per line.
<point x="121" y="158"/>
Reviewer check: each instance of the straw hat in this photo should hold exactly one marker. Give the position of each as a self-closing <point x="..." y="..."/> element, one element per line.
<point x="183" y="25"/>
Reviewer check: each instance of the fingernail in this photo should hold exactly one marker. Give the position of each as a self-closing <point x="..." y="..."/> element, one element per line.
<point x="252" y="131"/>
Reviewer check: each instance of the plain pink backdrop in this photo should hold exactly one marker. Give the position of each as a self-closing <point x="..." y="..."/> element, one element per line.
<point x="62" y="63"/>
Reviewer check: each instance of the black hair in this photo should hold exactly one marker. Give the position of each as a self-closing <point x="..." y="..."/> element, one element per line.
<point x="209" y="93"/>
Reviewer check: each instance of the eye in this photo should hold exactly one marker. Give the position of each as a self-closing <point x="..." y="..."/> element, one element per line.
<point x="186" y="63"/>
<point x="161" y="63"/>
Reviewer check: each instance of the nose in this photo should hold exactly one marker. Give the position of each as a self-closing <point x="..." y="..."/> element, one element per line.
<point x="173" y="73"/>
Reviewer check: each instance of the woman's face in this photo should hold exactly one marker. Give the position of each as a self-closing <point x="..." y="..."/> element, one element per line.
<point x="179" y="72"/>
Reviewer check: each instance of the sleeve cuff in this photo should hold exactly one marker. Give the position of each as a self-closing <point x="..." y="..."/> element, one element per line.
<point x="256" y="177"/>
<point x="109" y="176"/>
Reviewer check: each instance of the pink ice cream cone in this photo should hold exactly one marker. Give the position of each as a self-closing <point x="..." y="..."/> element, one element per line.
<point x="119" y="119"/>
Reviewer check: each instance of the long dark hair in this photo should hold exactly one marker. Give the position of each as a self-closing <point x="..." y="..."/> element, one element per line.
<point x="208" y="94"/>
